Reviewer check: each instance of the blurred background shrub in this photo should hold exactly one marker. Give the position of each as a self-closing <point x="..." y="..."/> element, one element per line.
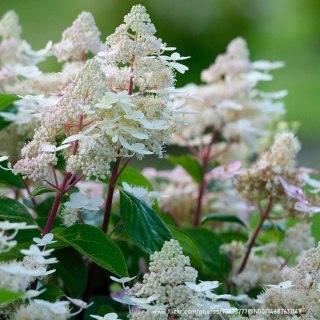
<point x="286" y="30"/>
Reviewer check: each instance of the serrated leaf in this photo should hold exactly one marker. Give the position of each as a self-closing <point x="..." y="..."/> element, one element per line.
<point x="9" y="296"/>
<point x="94" y="244"/>
<point x="190" y="164"/>
<point x="72" y="270"/>
<point x="189" y="247"/>
<point x="135" y="178"/>
<point x="41" y="190"/>
<point x="14" y="211"/>
<point x="222" y="218"/>
<point x="142" y="223"/>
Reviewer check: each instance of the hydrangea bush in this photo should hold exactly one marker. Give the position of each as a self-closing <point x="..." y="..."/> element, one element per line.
<point x="230" y="232"/>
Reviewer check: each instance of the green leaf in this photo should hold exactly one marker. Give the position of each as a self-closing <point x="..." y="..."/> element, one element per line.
<point x="222" y="218"/>
<point x="44" y="207"/>
<point x="10" y="108"/>
<point x="52" y="293"/>
<point x="100" y="307"/>
<point x="41" y="190"/>
<point x="188" y="246"/>
<point x="14" y="211"/>
<point x="215" y="265"/>
<point x="6" y="100"/>
<point x="135" y="178"/>
<point x="9" y="296"/>
<point x="315" y="226"/>
<point x="94" y="244"/>
<point x="143" y="223"/>
<point x="72" y="270"/>
<point x="233" y="236"/>
<point x="10" y="179"/>
<point x="190" y="164"/>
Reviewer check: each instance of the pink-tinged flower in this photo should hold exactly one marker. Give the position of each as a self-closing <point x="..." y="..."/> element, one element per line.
<point x="304" y="207"/>
<point x="293" y="191"/>
<point x="306" y="170"/>
<point x="224" y="172"/>
<point x="79" y="303"/>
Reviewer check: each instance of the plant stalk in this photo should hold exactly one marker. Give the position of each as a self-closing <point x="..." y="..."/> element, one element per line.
<point x="264" y="216"/>
<point x="108" y="203"/>
<point x="202" y="185"/>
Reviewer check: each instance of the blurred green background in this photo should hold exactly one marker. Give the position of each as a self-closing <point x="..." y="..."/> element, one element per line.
<point x="286" y="30"/>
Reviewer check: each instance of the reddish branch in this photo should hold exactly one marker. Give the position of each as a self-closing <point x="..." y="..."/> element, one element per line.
<point x="69" y="181"/>
<point x="263" y="216"/>
<point x="205" y="157"/>
<point x="108" y="203"/>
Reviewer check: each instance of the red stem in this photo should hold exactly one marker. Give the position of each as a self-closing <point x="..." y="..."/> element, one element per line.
<point x="123" y="167"/>
<point x="202" y="186"/>
<point x="56" y="205"/>
<point x="264" y="216"/>
<point x="64" y="187"/>
<point x="108" y="203"/>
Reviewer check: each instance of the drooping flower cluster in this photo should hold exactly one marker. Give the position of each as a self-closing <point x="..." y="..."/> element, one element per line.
<point x="263" y="178"/>
<point x="118" y="105"/>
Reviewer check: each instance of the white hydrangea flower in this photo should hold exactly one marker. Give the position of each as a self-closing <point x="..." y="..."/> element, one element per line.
<point x="141" y="193"/>
<point x="9" y="26"/>
<point x="80" y="201"/>
<point x="9" y="230"/>
<point x="120" y="118"/>
<point x="108" y="316"/>
<point x="122" y="280"/>
<point x="79" y="303"/>
<point x="45" y="240"/>
<point x="169" y="286"/>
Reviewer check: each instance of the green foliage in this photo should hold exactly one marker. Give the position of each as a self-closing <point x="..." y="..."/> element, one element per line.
<point x="316" y="226"/>
<point x="222" y="218"/>
<point x="94" y="244"/>
<point x="190" y="164"/>
<point x="10" y="179"/>
<point x="14" y="211"/>
<point x="6" y="100"/>
<point x="41" y="190"/>
<point x="100" y="307"/>
<point x="7" y="106"/>
<point x="72" y="270"/>
<point x="215" y="265"/>
<point x="142" y="223"/>
<point x="135" y="178"/>
<point x="9" y="296"/>
<point x="52" y="293"/>
<point x="189" y="247"/>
